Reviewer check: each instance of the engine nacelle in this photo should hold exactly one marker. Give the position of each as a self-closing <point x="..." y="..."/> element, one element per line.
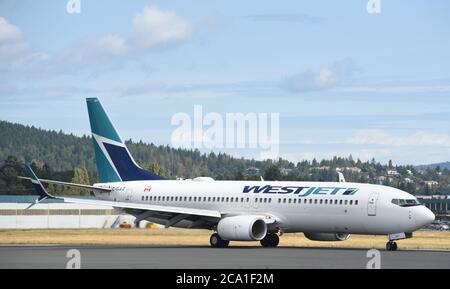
<point x="242" y="228"/>
<point x="327" y="236"/>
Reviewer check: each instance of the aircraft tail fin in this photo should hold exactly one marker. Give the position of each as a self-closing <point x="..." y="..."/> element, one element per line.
<point x="114" y="161"/>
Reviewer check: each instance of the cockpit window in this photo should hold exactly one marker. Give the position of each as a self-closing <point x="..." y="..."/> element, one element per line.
<point x="406" y="202"/>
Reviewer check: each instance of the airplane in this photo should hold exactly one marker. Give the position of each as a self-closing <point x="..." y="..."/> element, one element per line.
<point x="241" y="210"/>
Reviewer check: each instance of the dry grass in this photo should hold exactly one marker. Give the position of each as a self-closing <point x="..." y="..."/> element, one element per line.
<point x="421" y="240"/>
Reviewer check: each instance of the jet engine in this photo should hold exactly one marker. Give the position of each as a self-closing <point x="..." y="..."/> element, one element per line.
<point x="327" y="236"/>
<point x="242" y="228"/>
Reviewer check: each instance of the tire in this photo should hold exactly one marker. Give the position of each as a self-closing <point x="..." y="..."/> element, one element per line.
<point x="394" y="246"/>
<point x="391" y="246"/>
<point x="218" y="242"/>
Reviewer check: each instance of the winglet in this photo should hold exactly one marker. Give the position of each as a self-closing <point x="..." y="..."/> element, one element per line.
<point x="39" y="188"/>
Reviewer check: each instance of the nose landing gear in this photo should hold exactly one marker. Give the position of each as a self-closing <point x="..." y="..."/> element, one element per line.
<point x="391" y="246"/>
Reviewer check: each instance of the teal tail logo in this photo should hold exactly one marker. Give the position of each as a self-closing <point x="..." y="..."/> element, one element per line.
<point x="114" y="161"/>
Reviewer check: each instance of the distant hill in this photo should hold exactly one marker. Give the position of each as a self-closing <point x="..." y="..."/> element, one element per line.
<point x="443" y="165"/>
<point x="66" y="157"/>
<point x="64" y="152"/>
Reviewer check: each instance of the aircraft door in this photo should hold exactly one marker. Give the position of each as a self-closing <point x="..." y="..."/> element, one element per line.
<point x="128" y="194"/>
<point x="372" y="204"/>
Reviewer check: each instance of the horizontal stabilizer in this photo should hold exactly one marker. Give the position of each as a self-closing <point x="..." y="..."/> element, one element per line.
<point x="81" y="186"/>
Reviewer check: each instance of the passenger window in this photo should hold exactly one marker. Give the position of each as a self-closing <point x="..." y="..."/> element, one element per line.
<point x="321" y="201"/>
<point x="356" y="202"/>
<point x="295" y="201"/>
<point x="242" y="200"/>
<point x="335" y="202"/>
<point x="340" y="202"/>
<point x="351" y="202"/>
<point x="290" y="200"/>
<point x="270" y="200"/>
<point x="310" y="201"/>
<point x="248" y="200"/>
<point x="279" y="200"/>
<point x="231" y="199"/>
<point x="284" y="200"/>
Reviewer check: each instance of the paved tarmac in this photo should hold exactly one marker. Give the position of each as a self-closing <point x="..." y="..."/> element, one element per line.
<point x="12" y="256"/>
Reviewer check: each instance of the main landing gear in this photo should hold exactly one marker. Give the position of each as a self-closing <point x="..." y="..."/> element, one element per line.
<point x="218" y="242"/>
<point x="270" y="240"/>
<point x="391" y="246"/>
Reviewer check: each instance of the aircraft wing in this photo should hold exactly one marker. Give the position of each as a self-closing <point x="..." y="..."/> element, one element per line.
<point x="171" y="215"/>
<point x="145" y="207"/>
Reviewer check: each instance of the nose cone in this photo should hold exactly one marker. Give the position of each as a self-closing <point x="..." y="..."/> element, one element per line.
<point x="424" y="216"/>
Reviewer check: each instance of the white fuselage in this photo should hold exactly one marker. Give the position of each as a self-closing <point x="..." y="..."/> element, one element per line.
<point x="299" y="206"/>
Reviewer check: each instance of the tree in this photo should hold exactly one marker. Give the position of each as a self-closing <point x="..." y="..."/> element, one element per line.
<point x="9" y="172"/>
<point x="157" y="169"/>
<point x="80" y="176"/>
<point x="272" y="173"/>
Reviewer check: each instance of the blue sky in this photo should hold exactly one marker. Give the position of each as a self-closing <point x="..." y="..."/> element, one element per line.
<point x="342" y="80"/>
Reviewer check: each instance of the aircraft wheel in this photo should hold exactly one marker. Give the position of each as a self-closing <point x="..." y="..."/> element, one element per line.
<point x="218" y="242"/>
<point x="391" y="246"/>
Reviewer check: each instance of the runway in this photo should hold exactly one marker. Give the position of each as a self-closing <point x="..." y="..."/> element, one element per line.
<point x="208" y="258"/>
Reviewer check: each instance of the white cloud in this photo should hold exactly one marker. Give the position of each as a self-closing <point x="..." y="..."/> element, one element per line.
<point x="112" y="45"/>
<point x="153" y="29"/>
<point x="15" y="52"/>
<point x="380" y="137"/>
<point x="11" y="42"/>
<point x="8" y="32"/>
<point x="322" y="79"/>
